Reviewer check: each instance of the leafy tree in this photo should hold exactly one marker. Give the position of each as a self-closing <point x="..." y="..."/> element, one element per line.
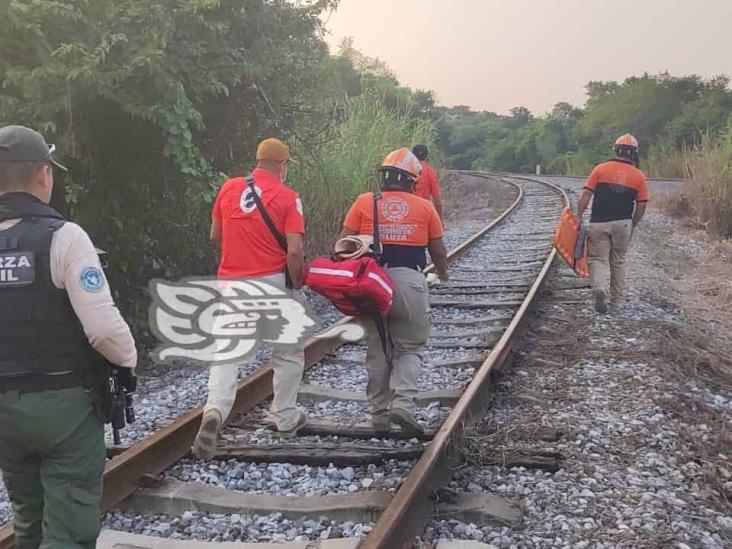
<point x="665" y="112"/>
<point x="149" y="101"/>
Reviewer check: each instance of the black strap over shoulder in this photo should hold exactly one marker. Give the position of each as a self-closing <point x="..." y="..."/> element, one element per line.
<point x="377" y="238"/>
<point x="279" y="237"/>
<point x="380" y="322"/>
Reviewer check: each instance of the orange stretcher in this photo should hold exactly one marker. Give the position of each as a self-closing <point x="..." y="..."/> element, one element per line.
<point x="569" y="241"/>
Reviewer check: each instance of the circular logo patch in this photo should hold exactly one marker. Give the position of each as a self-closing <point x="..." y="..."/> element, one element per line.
<point x="247" y="203"/>
<point x="92" y="280"/>
<point x="394" y="209"/>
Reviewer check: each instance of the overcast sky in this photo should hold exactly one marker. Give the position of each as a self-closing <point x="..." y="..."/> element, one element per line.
<point x="497" y="54"/>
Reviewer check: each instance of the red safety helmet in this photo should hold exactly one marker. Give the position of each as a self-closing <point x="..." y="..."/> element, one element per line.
<point x="626" y="140"/>
<point x="402" y="160"/>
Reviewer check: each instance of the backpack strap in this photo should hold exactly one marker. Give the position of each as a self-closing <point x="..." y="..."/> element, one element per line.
<point x="377" y="239"/>
<point x="382" y="326"/>
<point x="279" y="237"/>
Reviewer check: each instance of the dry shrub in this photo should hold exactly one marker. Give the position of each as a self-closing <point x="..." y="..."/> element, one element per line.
<point x="702" y="345"/>
<point x="700" y="348"/>
<point x="664" y="162"/>
<point x="708" y="292"/>
<point x="709" y="183"/>
<point x="675" y="205"/>
<point x="693" y="351"/>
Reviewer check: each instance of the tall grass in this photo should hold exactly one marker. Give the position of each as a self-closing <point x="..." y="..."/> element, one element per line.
<point x="331" y="176"/>
<point x="709" y="182"/>
<point x="664" y="162"/>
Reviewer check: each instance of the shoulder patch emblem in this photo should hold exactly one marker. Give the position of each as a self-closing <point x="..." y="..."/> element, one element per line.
<point x="298" y="205"/>
<point x="92" y="280"/>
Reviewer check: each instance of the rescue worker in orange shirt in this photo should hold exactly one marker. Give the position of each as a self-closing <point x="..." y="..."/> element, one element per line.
<point x="619" y="194"/>
<point x="249" y="249"/>
<point x="408" y="226"/>
<point x="428" y="184"/>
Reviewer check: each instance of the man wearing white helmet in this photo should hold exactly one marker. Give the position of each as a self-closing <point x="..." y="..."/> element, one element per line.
<point x="408" y="226"/>
<point x="619" y="193"/>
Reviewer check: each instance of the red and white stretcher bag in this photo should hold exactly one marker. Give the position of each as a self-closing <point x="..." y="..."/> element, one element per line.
<point x="350" y="283"/>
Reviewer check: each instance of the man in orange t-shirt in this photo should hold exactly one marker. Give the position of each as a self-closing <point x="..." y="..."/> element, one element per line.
<point x="619" y="194"/>
<point x="428" y="184"/>
<point x="249" y="249"/>
<point x="408" y="226"/>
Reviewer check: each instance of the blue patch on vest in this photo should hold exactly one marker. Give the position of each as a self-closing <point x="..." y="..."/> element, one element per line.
<point x="92" y="280"/>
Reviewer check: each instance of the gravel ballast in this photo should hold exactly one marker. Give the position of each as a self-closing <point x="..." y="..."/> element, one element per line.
<point x="164" y="394"/>
<point x="628" y="477"/>
<point x="346" y="371"/>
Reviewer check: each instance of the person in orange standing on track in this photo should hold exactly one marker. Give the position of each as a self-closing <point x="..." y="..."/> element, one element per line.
<point x="428" y="184"/>
<point x="408" y="226"/>
<point x="619" y="193"/>
<point x="249" y="249"/>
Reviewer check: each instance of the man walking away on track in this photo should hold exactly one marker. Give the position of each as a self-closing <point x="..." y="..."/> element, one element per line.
<point x="408" y="226"/>
<point x="428" y="184"/>
<point x="250" y="249"/>
<point x="619" y="193"/>
<point x="56" y="314"/>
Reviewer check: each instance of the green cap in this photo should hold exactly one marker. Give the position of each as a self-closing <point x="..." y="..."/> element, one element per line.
<point x="21" y="144"/>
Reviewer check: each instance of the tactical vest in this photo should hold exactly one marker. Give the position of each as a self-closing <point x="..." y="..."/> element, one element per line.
<point x="42" y="342"/>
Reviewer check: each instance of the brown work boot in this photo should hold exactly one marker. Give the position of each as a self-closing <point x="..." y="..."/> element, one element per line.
<point x="406" y="421"/>
<point x="204" y="447"/>
<point x="600" y="301"/>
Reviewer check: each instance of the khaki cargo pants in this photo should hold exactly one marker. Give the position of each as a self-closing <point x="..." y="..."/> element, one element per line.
<point x="607" y="244"/>
<point x="395" y="386"/>
<point x="52" y="456"/>
<point x="288" y="366"/>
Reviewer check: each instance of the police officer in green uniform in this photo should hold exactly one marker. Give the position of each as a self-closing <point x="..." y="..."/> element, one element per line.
<point x="57" y="316"/>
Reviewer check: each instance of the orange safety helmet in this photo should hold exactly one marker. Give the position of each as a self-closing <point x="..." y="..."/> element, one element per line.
<point x="626" y="140"/>
<point x="402" y="160"/>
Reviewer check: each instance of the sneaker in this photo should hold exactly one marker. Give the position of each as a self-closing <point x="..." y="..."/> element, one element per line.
<point x="381" y="423"/>
<point x="600" y="303"/>
<point x="302" y="420"/>
<point x="204" y="447"/>
<point x="406" y="421"/>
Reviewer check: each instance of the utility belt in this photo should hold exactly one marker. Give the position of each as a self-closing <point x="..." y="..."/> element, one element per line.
<point x="41" y="382"/>
<point x="408" y="257"/>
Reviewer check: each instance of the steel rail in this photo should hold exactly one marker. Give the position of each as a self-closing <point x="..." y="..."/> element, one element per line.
<point x="413" y="504"/>
<point x="164" y="448"/>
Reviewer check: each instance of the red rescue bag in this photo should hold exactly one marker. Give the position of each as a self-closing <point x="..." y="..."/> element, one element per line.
<point x="357" y="286"/>
<point x="354" y="286"/>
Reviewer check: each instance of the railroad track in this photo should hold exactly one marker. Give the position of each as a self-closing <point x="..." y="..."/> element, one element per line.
<point x="387" y="485"/>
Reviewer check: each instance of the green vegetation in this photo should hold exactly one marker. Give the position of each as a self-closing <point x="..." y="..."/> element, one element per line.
<point x="344" y="166"/>
<point x="153" y="103"/>
<point x="666" y="113"/>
